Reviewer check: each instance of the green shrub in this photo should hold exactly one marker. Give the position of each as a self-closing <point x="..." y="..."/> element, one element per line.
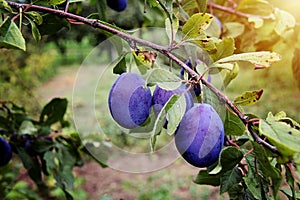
<point x="21" y="72"/>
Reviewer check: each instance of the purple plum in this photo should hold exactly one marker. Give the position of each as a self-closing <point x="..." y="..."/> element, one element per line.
<point x="130" y="100"/>
<point x="117" y="5"/>
<point x="199" y="137"/>
<point x="6" y="152"/>
<point x="161" y="96"/>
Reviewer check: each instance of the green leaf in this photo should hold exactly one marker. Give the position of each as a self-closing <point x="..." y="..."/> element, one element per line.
<point x="174" y="101"/>
<point x="54" y="111"/>
<point x="32" y="164"/>
<point x="52" y="24"/>
<point x="258" y="22"/>
<point x="284" y="21"/>
<point x="35" y="31"/>
<point x="27" y="127"/>
<point x="267" y="169"/>
<point x="175" y="26"/>
<point x="44" y="130"/>
<point x="194" y="30"/>
<point x="196" y="25"/>
<point x="261" y="59"/>
<point x="35" y="16"/>
<point x="214" y="29"/>
<point x="256" y="183"/>
<point x="233" y="125"/>
<point x="237" y="191"/>
<point x="280" y="134"/>
<point x="92" y="150"/>
<point x="4" y="7"/>
<point x="10" y="36"/>
<point x="120" y="65"/>
<point x="175" y="112"/>
<point x="233" y="29"/>
<point x="49" y="2"/>
<point x="204" y="178"/>
<point x="255" y="7"/>
<point x="248" y="98"/>
<point x="230" y="178"/>
<point x="217" y="67"/>
<point x="230" y="75"/>
<point x="290" y="181"/>
<point x="169" y="7"/>
<point x="224" y="48"/>
<point x="281" y="116"/>
<point x="229" y="158"/>
<point x="144" y="60"/>
<point x="117" y="42"/>
<point x="164" y="79"/>
<point x="42" y="146"/>
<point x="60" y="164"/>
<point x="152" y="3"/>
<point x="289" y="193"/>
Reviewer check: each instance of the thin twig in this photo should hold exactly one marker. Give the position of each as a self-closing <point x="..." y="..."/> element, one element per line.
<point x="261" y="141"/>
<point x="22" y="11"/>
<point x="170" y="19"/>
<point x="235" y="12"/>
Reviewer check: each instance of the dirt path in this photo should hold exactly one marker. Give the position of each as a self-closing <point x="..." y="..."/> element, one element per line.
<point x="173" y="182"/>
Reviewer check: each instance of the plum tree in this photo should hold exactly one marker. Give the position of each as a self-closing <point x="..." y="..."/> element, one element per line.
<point x="161" y="96"/>
<point x="6" y="152"/>
<point x="117" y="5"/>
<point x="129" y="100"/>
<point x="200" y="136"/>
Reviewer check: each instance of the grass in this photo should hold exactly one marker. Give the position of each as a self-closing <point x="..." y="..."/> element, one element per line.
<point x="174" y="182"/>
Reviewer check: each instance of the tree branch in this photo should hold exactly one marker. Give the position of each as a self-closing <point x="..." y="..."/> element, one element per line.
<point x="162" y="49"/>
<point x="234" y="12"/>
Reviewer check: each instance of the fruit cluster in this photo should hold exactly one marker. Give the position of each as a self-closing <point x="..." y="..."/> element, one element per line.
<point x="199" y="137"/>
<point x="29" y="143"/>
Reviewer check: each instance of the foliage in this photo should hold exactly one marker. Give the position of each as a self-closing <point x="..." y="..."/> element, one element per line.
<point x="259" y="156"/>
<point x="22" y="72"/>
<point x="45" y="147"/>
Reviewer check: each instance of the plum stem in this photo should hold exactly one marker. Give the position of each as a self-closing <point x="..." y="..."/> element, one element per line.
<point x="165" y="50"/>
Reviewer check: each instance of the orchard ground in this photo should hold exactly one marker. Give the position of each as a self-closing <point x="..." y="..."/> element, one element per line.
<point x="174" y="181"/>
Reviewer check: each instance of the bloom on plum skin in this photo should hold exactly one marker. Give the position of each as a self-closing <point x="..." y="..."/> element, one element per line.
<point x="129" y="100"/>
<point x="199" y="137"/>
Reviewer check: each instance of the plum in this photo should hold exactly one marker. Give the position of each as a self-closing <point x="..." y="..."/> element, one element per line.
<point x="129" y="100"/>
<point x="117" y="5"/>
<point x="6" y="152"/>
<point x="217" y="20"/>
<point x="199" y="137"/>
<point x="161" y="96"/>
<point x="196" y="87"/>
